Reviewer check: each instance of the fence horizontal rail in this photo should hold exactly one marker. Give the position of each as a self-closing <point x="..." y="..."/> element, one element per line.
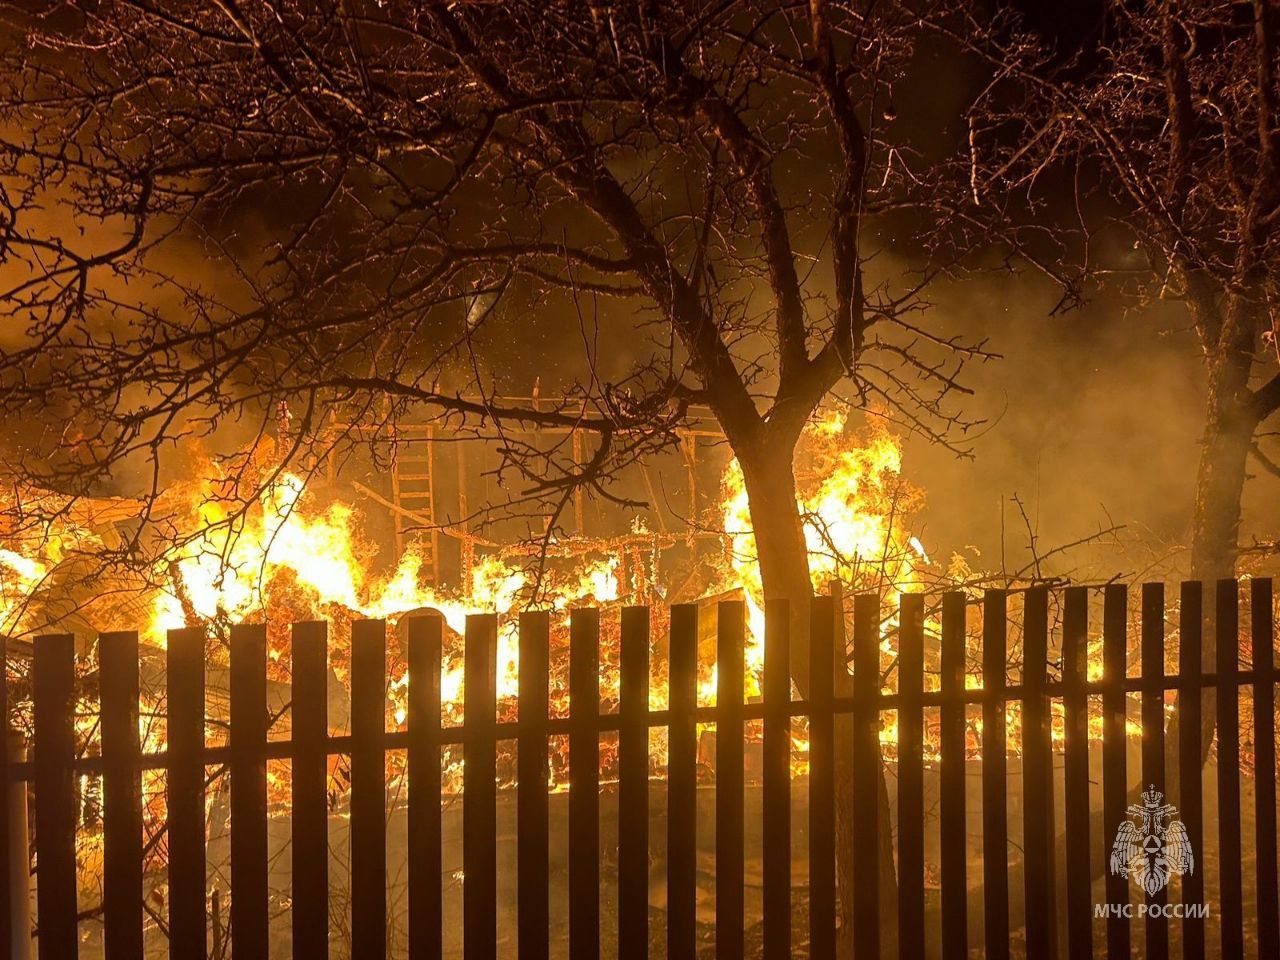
<point x="458" y="734"/>
<point x="814" y="661"/>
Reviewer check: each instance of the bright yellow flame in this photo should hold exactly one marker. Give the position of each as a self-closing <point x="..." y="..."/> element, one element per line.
<point x="19" y="578"/>
<point x="854" y="504"/>
<point x="853" y="501"/>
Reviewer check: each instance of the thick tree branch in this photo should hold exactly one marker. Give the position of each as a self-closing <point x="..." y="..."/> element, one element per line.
<point x="1266" y="399"/>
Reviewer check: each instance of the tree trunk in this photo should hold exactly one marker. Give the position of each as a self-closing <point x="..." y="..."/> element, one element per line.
<point x="1228" y="432"/>
<point x="1215" y="528"/>
<point x="771" y="491"/>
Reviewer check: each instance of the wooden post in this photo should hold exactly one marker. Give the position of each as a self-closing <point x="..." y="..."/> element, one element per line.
<point x="911" y="924"/>
<point x="1037" y="778"/>
<point x="426" y="915"/>
<point x="729" y="779"/>
<point x="682" y="785"/>
<point x="584" y="784"/>
<point x="122" y="796"/>
<point x="16" y="878"/>
<point x="633" y="786"/>
<point x="309" y="722"/>
<point x="15" y="858"/>
<point x="1190" y="792"/>
<point x="995" y="806"/>
<point x="866" y="770"/>
<point x="1262" y="628"/>
<point x="185" y="790"/>
<point x="954" y="827"/>
<point x="533" y="915"/>
<point x="479" y="825"/>
<point x="1114" y="744"/>
<point x="1157" y="928"/>
<point x="1227" y="690"/>
<point x="823" y="664"/>
<point x="777" y="781"/>
<point x="368" y="789"/>
<point x="53" y="693"/>
<point x="248" y="742"/>
<point x="1075" y="707"/>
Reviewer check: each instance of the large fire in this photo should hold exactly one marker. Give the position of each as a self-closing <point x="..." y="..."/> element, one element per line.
<point x="287" y="557"/>
<point x="233" y="562"/>
<point x="283" y="556"/>
<point x="854" y="502"/>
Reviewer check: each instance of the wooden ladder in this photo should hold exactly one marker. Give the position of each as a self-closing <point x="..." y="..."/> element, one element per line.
<point x="413" y="490"/>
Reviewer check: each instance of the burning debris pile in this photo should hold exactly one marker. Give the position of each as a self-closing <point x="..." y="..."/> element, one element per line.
<point x="285" y="557"/>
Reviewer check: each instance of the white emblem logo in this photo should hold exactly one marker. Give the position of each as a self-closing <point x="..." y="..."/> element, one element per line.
<point x="1148" y="849"/>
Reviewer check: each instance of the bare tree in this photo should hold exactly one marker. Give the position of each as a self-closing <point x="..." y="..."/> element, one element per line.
<point x="338" y="205"/>
<point x="1165" y="124"/>
<point x="1151" y="152"/>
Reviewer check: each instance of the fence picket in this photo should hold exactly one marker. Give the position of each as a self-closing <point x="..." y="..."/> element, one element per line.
<point x="823" y="664"/>
<point x="1075" y="707"/>
<point x="633" y="786"/>
<point x="776" y="802"/>
<point x="911" y="926"/>
<point x="729" y="780"/>
<point x="1114" y="784"/>
<point x="584" y="784"/>
<point x="14" y="865"/>
<point x="1157" y="928"/>
<point x="426" y="916"/>
<point x="53" y="689"/>
<point x="479" y="820"/>
<point x="248" y="766"/>
<point x="866" y="768"/>
<point x="954" y="828"/>
<point x="1190" y="792"/>
<point x="122" y="797"/>
<point x="1227" y="620"/>
<point x="1262" y="626"/>
<point x="184" y="793"/>
<point x="1037" y="778"/>
<point x="995" y="806"/>
<point x="309" y="848"/>
<point x="682" y="784"/>
<point x="368" y="789"/>
<point x="533" y="914"/>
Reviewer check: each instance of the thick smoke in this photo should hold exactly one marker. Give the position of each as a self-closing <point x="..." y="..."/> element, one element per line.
<point x="1093" y="419"/>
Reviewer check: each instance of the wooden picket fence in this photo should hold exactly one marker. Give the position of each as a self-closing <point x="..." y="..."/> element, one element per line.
<point x="55" y="768"/>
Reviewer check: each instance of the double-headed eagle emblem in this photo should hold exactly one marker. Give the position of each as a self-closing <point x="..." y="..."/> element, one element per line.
<point x="1147" y="848"/>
